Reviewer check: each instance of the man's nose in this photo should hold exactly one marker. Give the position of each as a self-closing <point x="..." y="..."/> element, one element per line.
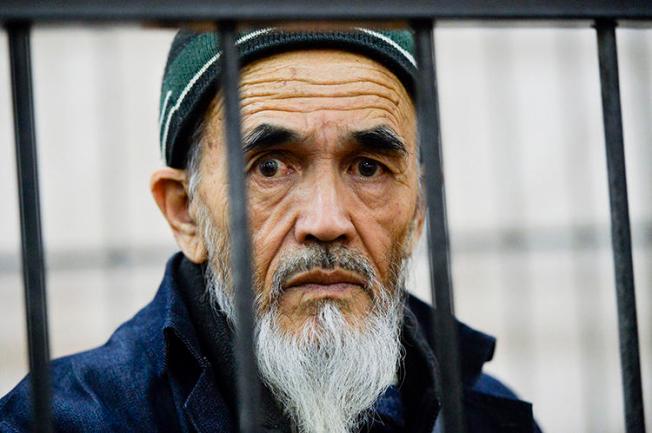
<point x="323" y="215"/>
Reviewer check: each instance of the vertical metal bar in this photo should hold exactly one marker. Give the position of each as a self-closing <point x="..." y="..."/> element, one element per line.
<point x="248" y="384"/>
<point x="445" y="329"/>
<point x="30" y="223"/>
<point x="620" y="230"/>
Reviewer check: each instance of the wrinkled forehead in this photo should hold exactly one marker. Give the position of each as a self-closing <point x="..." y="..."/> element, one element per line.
<point x="322" y="88"/>
<point x="322" y="65"/>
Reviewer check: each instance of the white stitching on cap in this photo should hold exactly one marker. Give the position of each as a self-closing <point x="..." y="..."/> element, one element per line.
<point x="390" y="42"/>
<point x="192" y="82"/>
<point x="243" y="39"/>
<point x="164" y="109"/>
<point x="185" y="91"/>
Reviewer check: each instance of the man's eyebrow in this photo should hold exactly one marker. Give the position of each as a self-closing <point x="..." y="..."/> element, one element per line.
<point x="266" y="135"/>
<point x="381" y="139"/>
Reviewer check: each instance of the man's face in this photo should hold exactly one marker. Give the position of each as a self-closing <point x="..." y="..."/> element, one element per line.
<point x="331" y="164"/>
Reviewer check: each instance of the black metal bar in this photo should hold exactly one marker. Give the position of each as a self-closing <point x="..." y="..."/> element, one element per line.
<point x="178" y="10"/>
<point x="30" y="223"/>
<point x="248" y="384"/>
<point x="620" y="230"/>
<point x="445" y="329"/>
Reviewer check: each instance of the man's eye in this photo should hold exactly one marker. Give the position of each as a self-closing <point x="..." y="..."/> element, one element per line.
<point x="269" y="167"/>
<point x="367" y="167"/>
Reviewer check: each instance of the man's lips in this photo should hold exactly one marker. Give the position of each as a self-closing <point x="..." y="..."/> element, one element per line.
<point x="325" y="279"/>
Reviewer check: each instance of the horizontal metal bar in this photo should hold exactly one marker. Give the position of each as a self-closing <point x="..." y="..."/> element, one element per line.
<point x="30" y="224"/>
<point x="181" y="10"/>
<point x="449" y="382"/>
<point x="620" y="230"/>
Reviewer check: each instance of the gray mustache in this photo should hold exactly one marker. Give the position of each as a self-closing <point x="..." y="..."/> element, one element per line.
<point x="316" y="256"/>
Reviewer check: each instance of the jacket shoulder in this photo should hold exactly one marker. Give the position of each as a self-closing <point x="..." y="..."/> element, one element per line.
<point x="109" y="388"/>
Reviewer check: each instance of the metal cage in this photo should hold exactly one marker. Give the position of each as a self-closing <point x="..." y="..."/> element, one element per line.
<point x="18" y="16"/>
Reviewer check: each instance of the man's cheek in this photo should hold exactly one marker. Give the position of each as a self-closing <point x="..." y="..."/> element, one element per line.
<point x="388" y="240"/>
<point x="263" y="265"/>
<point x="270" y="232"/>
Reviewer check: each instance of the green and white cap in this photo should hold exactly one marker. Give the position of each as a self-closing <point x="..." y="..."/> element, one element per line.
<point x="193" y="67"/>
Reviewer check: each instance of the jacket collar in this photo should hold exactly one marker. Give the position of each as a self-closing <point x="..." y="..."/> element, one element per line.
<point x="193" y="331"/>
<point x="185" y="363"/>
<point x="476" y="348"/>
<point x="177" y="326"/>
<point x="485" y="410"/>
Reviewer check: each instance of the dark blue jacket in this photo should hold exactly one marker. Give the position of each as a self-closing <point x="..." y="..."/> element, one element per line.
<point x="155" y="374"/>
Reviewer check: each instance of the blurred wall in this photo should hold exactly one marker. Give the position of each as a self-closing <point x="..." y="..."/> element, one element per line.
<point x="526" y="189"/>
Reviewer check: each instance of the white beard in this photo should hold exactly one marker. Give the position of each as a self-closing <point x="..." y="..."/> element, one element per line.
<point x="327" y="376"/>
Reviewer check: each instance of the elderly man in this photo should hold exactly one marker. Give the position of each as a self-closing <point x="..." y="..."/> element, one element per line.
<point x="335" y="207"/>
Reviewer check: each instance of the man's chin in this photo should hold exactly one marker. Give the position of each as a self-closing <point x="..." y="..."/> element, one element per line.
<point x="314" y="316"/>
<point x="298" y="309"/>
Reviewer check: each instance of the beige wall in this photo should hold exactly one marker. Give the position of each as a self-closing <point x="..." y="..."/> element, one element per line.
<point x="526" y="187"/>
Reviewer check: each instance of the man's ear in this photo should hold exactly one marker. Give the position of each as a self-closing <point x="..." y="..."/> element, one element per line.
<point x="168" y="186"/>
